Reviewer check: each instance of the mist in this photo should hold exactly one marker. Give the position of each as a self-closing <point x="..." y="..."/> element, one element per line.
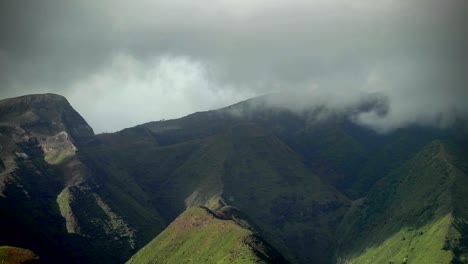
<point x="123" y="63"/>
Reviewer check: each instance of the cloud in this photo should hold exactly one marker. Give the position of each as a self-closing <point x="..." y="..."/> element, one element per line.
<point x="412" y="51"/>
<point x="129" y="93"/>
<point x="431" y="93"/>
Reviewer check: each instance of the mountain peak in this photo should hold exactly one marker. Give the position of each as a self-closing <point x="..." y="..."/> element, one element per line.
<point x="33" y="98"/>
<point x="43" y="114"/>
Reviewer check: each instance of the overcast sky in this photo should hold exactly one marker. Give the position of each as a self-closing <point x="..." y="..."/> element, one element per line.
<point x="122" y="63"/>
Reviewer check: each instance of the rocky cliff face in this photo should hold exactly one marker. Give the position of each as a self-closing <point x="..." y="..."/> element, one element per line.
<point x="44" y="183"/>
<point x="43" y="114"/>
<point x="47" y="120"/>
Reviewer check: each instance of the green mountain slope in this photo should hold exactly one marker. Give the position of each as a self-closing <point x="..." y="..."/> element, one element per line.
<point x="416" y="214"/>
<point x="249" y="167"/>
<point x="199" y="236"/>
<point x="268" y="181"/>
<point x="313" y="184"/>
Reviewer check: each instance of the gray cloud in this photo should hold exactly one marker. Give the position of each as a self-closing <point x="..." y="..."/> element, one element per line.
<point x="121" y="63"/>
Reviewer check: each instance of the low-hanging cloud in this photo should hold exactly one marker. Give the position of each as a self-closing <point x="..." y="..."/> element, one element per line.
<point x="163" y="58"/>
<point x="128" y="92"/>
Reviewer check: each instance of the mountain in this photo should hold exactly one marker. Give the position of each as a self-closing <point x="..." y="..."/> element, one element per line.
<point x="241" y="164"/>
<point x="200" y="235"/>
<point x="268" y="183"/>
<point x="51" y="201"/>
<point x="416" y="214"/>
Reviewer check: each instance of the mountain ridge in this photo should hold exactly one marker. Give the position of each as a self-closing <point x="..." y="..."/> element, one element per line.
<point x="301" y="183"/>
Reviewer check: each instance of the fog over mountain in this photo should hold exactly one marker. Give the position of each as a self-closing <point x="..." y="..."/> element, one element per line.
<point x="121" y="63"/>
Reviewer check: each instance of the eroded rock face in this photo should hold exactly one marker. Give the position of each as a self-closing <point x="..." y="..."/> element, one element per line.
<point x="42" y="175"/>
<point x="58" y="148"/>
<point x="43" y="115"/>
<point x="47" y="119"/>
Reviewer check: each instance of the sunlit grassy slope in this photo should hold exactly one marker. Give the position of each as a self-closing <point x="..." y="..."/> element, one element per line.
<point x="198" y="236"/>
<point x="413" y="215"/>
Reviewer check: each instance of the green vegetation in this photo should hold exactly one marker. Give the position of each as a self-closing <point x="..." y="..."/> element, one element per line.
<point x="319" y="190"/>
<point x="57" y="157"/>
<point x="269" y="182"/>
<point x="409" y="216"/>
<point x="197" y="236"/>
<point x="421" y="245"/>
